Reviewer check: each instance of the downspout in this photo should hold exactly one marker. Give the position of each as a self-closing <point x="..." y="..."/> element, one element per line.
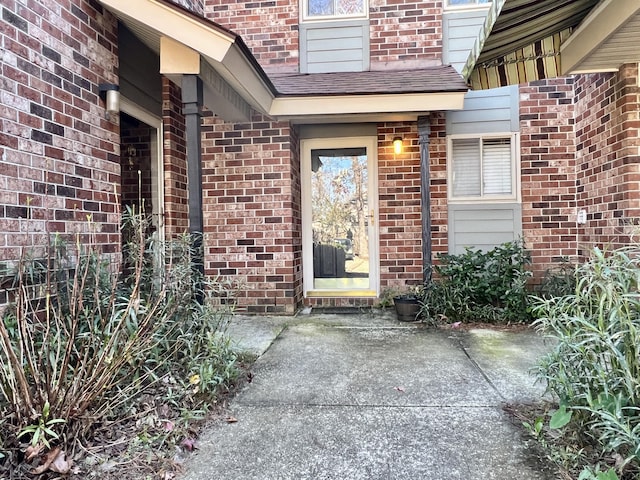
<point x="424" y="130"/>
<point x="192" y="100"/>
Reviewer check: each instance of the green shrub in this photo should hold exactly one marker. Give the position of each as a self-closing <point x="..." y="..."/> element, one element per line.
<point x="81" y="341"/>
<point x="559" y="280"/>
<point x="480" y="286"/>
<point x="594" y="369"/>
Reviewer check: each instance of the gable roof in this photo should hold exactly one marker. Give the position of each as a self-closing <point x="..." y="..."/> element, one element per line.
<point x="441" y="78"/>
<point x="223" y="60"/>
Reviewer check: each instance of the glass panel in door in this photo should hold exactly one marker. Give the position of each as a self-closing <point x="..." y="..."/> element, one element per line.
<point x="340" y="217"/>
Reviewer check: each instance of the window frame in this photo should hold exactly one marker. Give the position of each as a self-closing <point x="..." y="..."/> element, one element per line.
<point x="469" y="6"/>
<point x="515" y="195"/>
<point x="306" y="18"/>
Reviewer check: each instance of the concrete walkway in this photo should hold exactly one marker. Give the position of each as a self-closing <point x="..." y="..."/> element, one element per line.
<point x="366" y="397"/>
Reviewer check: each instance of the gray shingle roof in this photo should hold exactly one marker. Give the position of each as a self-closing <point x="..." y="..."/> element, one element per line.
<point x="427" y="80"/>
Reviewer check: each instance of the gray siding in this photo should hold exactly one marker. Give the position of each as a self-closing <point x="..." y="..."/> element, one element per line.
<point x="334" y="46"/>
<point x="459" y="33"/>
<point x="140" y="80"/>
<point x="486" y="111"/>
<point x="483" y="226"/>
<point x="480" y="225"/>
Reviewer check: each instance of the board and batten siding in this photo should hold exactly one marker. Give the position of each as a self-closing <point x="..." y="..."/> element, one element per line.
<point x="483" y="226"/>
<point x="334" y="46"/>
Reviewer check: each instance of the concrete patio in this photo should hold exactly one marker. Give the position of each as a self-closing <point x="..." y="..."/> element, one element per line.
<point x="366" y="397"/>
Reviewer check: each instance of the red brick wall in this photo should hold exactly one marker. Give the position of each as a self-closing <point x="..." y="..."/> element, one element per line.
<point x="548" y="172"/>
<point x="176" y="211"/>
<point x="608" y="141"/>
<point x="400" y="226"/>
<point x="59" y="154"/>
<point x="269" y="28"/>
<point x="404" y="34"/>
<point x="580" y="140"/>
<point x="251" y="187"/>
<point x="400" y="207"/>
<point x="438" y="185"/>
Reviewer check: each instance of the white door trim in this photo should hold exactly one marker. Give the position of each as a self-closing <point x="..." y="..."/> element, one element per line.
<point x="371" y="144"/>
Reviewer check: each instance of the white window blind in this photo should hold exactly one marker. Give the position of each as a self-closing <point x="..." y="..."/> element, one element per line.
<point x="496" y="167"/>
<point x="466" y="167"/>
<point x="482" y="167"/>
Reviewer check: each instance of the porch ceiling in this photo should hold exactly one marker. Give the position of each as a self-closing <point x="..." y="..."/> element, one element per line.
<point x="527" y="40"/>
<point x="316" y="98"/>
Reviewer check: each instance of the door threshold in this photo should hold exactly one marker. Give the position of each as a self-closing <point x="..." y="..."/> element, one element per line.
<point x="342" y="293"/>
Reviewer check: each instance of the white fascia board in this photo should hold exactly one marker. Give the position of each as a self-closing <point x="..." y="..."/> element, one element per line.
<point x="296" y="107"/>
<point x="241" y="74"/>
<point x="175" y="24"/>
<point x="607" y="17"/>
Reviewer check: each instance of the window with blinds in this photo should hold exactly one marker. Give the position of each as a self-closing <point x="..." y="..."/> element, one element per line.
<point x="482" y="167"/>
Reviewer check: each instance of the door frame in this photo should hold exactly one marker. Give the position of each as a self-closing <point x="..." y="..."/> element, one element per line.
<point x="157" y="160"/>
<point x="371" y="144"/>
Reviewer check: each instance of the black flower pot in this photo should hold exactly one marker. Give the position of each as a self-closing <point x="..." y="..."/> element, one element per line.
<point x="407" y="307"/>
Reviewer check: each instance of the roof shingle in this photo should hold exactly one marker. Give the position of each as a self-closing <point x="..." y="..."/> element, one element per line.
<point x="435" y="79"/>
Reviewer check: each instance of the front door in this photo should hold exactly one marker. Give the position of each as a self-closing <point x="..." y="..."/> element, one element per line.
<point x="339" y="217"/>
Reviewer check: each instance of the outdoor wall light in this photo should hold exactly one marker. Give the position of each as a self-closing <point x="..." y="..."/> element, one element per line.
<point x="397" y="145"/>
<point x="110" y="94"/>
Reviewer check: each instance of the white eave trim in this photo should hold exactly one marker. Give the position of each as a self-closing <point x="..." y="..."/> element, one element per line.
<point x="217" y="47"/>
<point x="298" y="107"/>
<point x="594" y="30"/>
<point x="175" y="24"/>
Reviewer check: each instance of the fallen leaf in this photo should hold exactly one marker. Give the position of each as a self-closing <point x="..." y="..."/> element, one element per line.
<point x="47" y="460"/>
<point x="164" y="410"/>
<point x="33" y="451"/>
<point x="61" y="464"/>
<point x="232" y="419"/>
<point x="189" y="444"/>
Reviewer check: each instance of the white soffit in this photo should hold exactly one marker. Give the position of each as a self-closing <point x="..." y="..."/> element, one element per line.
<point x="606" y="39"/>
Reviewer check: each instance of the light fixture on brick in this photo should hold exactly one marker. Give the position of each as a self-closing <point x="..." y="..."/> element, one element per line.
<point x="110" y="94"/>
<point x="397" y="145"/>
